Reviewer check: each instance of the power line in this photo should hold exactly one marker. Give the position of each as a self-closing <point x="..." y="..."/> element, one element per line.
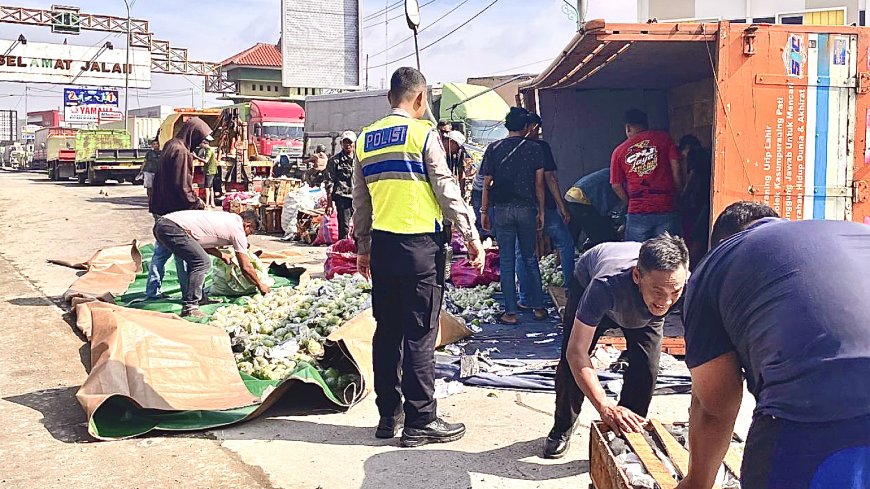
<point x="520" y="66"/>
<point x="460" y="26"/>
<point x="396" y="17"/>
<point x="454" y="9"/>
<point x="383" y="11"/>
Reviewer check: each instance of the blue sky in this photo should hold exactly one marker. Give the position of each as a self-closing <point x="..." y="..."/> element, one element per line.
<point x="510" y="37"/>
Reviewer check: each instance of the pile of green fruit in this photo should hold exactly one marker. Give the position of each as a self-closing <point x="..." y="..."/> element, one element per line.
<point x="551" y="271"/>
<point x="274" y="335"/>
<point x="475" y="305"/>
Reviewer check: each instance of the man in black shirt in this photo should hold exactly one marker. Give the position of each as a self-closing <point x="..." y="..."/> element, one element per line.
<point x="339" y="183"/>
<point x="513" y="171"/>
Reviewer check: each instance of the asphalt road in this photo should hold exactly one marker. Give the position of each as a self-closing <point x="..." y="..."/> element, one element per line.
<point x="44" y="441"/>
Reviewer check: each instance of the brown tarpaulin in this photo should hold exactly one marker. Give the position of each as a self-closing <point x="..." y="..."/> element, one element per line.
<point x="160" y="361"/>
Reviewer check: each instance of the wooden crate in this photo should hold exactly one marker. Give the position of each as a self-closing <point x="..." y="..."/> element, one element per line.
<point x="275" y="190"/>
<point x="603" y="469"/>
<point x="270" y="219"/>
<point x="606" y="473"/>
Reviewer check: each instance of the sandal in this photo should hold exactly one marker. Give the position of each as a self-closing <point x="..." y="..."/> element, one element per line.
<point x="502" y="319"/>
<point x="541" y="315"/>
<point x="523" y="307"/>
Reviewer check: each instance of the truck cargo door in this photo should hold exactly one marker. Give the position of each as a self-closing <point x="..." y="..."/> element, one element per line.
<point x="832" y="60"/>
<point x="785" y="121"/>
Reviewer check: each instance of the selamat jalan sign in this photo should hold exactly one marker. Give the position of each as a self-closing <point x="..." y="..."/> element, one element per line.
<point x="73" y="65"/>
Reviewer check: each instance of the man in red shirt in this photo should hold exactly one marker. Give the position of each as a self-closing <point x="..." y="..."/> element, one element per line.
<point x="645" y="172"/>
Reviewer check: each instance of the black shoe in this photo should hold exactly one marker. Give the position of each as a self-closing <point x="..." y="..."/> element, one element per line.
<point x="438" y="431"/>
<point x="389" y="426"/>
<point x="556" y="444"/>
<point x="193" y="313"/>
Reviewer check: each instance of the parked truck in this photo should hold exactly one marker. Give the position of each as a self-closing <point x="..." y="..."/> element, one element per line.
<point x="142" y="130"/>
<point x="476" y="111"/>
<point x="106" y="154"/>
<point x="54" y="149"/>
<point x="785" y="108"/>
<point x="172" y="125"/>
<point x="274" y="128"/>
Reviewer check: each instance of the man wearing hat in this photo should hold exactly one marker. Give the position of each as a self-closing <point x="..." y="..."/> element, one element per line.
<point x="457" y="157"/>
<point x="339" y="183"/>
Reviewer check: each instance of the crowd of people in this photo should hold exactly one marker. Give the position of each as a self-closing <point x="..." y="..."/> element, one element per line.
<point x="663" y="187"/>
<point x="764" y="304"/>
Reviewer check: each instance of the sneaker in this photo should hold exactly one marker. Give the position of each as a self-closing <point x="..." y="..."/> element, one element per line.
<point x="438" y="431"/>
<point x="193" y="313"/>
<point x="556" y="444"/>
<point x="389" y="426"/>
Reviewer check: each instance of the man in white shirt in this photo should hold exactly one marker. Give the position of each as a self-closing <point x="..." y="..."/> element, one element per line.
<point x="194" y="235"/>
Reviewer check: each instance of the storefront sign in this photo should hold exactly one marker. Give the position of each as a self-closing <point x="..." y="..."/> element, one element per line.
<point x="74" y="65"/>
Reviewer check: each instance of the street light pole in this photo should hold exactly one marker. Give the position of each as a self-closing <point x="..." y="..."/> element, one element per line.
<point x="127" y="67"/>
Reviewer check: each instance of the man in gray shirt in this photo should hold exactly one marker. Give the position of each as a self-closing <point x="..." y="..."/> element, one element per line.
<point x="630" y="286"/>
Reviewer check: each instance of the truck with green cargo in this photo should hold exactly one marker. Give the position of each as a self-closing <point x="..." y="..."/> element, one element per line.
<point x="106" y="154"/>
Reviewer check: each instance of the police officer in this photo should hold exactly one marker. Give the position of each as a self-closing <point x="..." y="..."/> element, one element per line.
<point x="402" y="193"/>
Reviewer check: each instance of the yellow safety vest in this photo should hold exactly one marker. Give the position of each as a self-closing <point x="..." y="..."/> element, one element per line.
<point x="390" y="152"/>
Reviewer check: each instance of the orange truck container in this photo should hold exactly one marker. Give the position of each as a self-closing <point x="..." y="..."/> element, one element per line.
<point x="785" y="108"/>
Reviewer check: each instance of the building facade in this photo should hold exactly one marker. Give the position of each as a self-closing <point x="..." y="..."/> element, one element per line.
<point x="809" y="12"/>
<point x="257" y="74"/>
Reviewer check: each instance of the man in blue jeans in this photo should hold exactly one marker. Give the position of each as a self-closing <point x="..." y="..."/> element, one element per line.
<point x="513" y="171"/>
<point x="556" y="217"/>
<point x="645" y="172"/>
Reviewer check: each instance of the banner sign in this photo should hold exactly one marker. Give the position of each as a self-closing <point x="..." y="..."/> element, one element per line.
<point x="86" y="96"/>
<point x="74" y="65"/>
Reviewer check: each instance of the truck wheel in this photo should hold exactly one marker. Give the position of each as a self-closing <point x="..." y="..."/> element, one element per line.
<point x="96" y="181"/>
<point x="82" y="178"/>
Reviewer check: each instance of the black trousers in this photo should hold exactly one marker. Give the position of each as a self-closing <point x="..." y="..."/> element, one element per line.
<point x="586" y="219"/>
<point x="639" y="380"/>
<point x="344" y="209"/>
<point x="407" y="283"/>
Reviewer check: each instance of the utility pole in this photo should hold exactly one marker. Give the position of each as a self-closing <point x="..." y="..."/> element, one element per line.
<point x="127" y="67"/>
<point x="367" y="72"/>
<point x="192" y="100"/>
<point x="386" y="42"/>
<point x="26" y="88"/>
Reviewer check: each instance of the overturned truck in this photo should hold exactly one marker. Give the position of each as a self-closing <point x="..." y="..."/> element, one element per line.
<point x="784" y="108"/>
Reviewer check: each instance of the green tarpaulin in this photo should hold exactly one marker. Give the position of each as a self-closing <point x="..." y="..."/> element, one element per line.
<point x="119" y="416"/>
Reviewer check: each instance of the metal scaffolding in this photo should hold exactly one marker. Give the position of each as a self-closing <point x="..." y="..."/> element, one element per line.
<point x="165" y="58"/>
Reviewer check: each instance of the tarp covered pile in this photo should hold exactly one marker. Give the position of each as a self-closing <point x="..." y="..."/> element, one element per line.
<point x="153" y="370"/>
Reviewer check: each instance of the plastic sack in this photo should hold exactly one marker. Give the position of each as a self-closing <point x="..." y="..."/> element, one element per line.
<point x="458" y="244"/>
<point x="340" y="259"/>
<point x="462" y="274"/>
<point x="328" y="232"/>
<point x="228" y="280"/>
<point x="238" y="196"/>
<point x="304" y="197"/>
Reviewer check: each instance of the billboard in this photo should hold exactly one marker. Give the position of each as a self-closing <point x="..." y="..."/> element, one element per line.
<point x="320" y="43"/>
<point x="90" y="106"/>
<point x="73" y="65"/>
<point x="8" y="126"/>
